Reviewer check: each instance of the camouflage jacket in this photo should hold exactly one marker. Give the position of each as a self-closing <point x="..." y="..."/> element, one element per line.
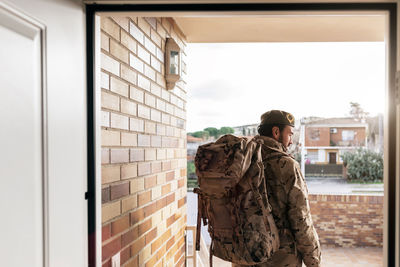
<point x="288" y="196"/>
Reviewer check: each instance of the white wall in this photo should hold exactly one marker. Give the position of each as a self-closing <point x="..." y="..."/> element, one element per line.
<point x="67" y="160"/>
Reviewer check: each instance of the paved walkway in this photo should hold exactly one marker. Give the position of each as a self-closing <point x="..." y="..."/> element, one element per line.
<point x="335" y="257"/>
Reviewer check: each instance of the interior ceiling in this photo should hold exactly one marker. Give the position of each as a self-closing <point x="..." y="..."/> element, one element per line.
<point x="289" y="28"/>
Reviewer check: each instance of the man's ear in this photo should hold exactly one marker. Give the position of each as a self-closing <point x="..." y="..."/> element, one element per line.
<point x="275" y="132"/>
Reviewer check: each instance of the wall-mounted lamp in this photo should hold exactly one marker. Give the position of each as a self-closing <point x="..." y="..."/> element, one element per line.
<point x="173" y="63"/>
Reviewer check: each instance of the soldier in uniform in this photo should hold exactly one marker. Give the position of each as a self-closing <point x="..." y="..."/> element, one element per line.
<point x="287" y="194"/>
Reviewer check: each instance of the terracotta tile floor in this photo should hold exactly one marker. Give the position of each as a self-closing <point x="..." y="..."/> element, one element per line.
<point x="338" y="257"/>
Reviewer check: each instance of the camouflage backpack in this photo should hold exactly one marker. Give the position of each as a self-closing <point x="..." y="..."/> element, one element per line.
<point x="232" y="199"/>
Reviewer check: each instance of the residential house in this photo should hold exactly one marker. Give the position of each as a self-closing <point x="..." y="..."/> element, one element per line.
<point x="325" y="140"/>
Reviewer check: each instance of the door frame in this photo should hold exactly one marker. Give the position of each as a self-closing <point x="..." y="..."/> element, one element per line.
<point x="389" y="229"/>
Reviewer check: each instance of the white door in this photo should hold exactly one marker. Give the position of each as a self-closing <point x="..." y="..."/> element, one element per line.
<point x="22" y="169"/>
<point x="43" y="134"/>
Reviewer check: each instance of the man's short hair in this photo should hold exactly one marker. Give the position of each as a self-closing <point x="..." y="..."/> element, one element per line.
<point x="266" y="129"/>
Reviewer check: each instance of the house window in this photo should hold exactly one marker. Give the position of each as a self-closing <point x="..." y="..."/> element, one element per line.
<point x="347" y="135"/>
<point x="312" y="156"/>
<point x="314" y="134"/>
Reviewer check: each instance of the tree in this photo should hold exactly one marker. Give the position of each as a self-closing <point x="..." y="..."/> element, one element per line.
<point x="357" y="112"/>
<point x="212" y="131"/>
<point x="200" y="134"/>
<point x="226" y="130"/>
<point x="364" y="165"/>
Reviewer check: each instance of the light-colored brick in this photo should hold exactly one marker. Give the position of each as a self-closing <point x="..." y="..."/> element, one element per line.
<point x="143" y="54"/>
<point x="119" y="121"/>
<point x="160" y="105"/>
<point x="129" y="203"/>
<point x="137" y="185"/>
<point x="161" y="154"/>
<point x="155" y="192"/>
<point x="155" y="89"/>
<point x="123" y="22"/>
<point x="110" y="174"/>
<point x="149" y="72"/>
<point x="105" y="81"/>
<point x="149" y="127"/>
<point x="143" y="112"/>
<point x="119" y="87"/>
<point x="128" y="74"/>
<point x="155" y="64"/>
<point x="110" y="138"/>
<point x="128" y="139"/>
<point x="110" y="27"/>
<point x="149" y="45"/>
<point x="109" y="211"/>
<point x="144" y="140"/>
<point x="160" y="54"/>
<point x="152" y="21"/>
<point x="109" y="101"/>
<point x="136" y="125"/>
<point x="144" y="255"/>
<point x="161" y="178"/>
<point x="156" y="38"/>
<point x="119" y="51"/>
<point x="128" y="42"/>
<point x="150" y="100"/>
<point x="161" y="129"/>
<point x="160" y="79"/>
<point x="136" y="33"/>
<point x="136" y="63"/>
<point x="155" y="141"/>
<point x="129" y="171"/>
<point x="109" y="64"/>
<point x="105" y="118"/>
<point x="128" y="107"/>
<point x="105" y="42"/>
<point x="150" y="154"/>
<point x="136" y="94"/>
<point x="144" y="25"/>
<point x="119" y="155"/>
<point x="155" y="115"/>
<point x="105" y="156"/>
<point x="143" y="83"/>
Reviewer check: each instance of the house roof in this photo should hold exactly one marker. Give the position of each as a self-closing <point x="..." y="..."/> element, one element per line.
<point x="336" y="122"/>
<point x="191" y="139"/>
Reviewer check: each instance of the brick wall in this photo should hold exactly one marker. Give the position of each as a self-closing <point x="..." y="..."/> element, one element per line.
<point x="143" y="145"/>
<point x="348" y="220"/>
<point x="359" y="136"/>
<point x="317" y="136"/>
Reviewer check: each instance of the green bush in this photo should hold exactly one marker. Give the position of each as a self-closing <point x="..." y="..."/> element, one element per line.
<point x="363" y="165"/>
<point x="190" y="168"/>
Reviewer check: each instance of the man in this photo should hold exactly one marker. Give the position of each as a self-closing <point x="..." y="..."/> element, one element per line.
<point x="287" y="194"/>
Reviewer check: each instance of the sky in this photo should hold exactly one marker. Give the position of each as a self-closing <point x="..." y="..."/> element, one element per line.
<point x="233" y="84"/>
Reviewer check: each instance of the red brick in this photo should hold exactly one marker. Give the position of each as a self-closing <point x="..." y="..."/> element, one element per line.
<point x="137" y="246"/>
<point x="165" y="189"/>
<point x="105" y="232"/>
<point x="156" y="244"/>
<point x="107" y="263"/>
<point x="171" y="220"/>
<point x="111" y="248"/>
<point x="183" y="172"/>
<point x="151" y="235"/>
<point x="129" y="236"/>
<point x="105" y="195"/>
<point x="144" y="198"/>
<point x="181" y="183"/>
<point x="170" y="198"/>
<point x="181" y="202"/>
<point x="125" y="254"/>
<point x="179" y="257"/>
<point x="150" y="181"/>
<point x="144" y="227"/>
<point x="170" y="176"/>
<point x="170" y="242"/>
<point x="161" y="203"/>
<point x="133" y="262"/>
<point x="150" y="209"/>
<point x="119" y="190"/>
<point x="152" y="261"/>
<point x="137" y="216"/>
<point x="120" y="225"/>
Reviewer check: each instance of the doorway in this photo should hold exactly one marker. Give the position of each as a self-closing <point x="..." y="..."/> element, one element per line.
<point x="390" y="166"/>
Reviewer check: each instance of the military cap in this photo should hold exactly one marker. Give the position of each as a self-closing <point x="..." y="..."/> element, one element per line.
<point x="277" y="117"/>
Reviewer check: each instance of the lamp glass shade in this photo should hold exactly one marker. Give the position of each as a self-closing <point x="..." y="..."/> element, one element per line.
<point x="174" y="62"/>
